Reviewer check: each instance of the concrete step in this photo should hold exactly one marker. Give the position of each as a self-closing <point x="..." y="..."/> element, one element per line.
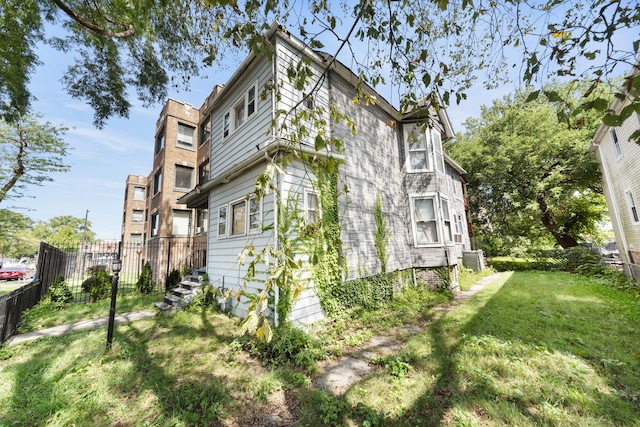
<point x="173" y="301"/>
<point x="181" y="292"/>
<point x="164" y="307"/>
<point x="190" y="285"/>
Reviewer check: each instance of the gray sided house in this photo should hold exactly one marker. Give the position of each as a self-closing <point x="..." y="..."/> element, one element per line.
<point x="392" y="156"/>
<point x="619" y="159"/>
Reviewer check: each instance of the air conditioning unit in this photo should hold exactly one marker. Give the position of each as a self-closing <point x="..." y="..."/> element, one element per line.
<point x="199" y="230"/>
<point x="154" y="232"/>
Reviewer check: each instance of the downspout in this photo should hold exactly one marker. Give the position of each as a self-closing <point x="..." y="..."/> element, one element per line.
<point x="276" y="192"/>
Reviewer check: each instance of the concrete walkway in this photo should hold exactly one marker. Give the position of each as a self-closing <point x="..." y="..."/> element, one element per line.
<point x="57" y="331"/>
<point x="338" y="375"/>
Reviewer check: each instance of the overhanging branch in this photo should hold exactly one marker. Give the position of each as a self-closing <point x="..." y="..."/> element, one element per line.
<point x="90" y="25"/>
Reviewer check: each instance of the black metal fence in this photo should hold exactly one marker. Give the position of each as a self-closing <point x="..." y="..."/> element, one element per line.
<point x="77" y="264"/>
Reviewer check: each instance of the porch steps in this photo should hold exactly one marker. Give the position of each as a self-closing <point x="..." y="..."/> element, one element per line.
<point x="183" y="294"/>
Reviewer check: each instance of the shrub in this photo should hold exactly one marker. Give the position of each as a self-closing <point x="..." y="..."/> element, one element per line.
<point x="98" y="285"/>
<point x="59" y="292"/>
<point x="586" y="259"/>
<point x="173" y="280"/>
<point x="145" y="284"/>
<point x="289" y="345"/>
<point x="186" y="270"/>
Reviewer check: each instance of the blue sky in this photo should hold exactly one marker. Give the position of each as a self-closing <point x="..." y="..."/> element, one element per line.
<point x="101" y="159"/>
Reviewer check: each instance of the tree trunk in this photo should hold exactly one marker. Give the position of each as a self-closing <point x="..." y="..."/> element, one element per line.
<point x="564" y="239"/>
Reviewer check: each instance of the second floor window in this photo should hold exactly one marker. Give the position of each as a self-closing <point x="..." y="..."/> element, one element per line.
<point x="185" y="135"/>
<point x="203" y="172"/>
<point x="616" y="143"/>
<point x="157" y="182"/>
<point x="242" y="110"/>
<point x="138" y="193"/>
<point x="160" y="141"/>
<point x="155" y="224"/>
<point x="205" y="130"/>
<point x="184" y="177"/>
<point x="423" y="149"/>
<point x="137" y="217"/>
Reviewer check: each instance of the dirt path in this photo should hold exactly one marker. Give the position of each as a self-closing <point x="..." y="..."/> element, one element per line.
<point x="338" y="375"/>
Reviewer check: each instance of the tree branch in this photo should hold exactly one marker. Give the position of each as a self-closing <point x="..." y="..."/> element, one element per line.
<point x="91" y="26"/>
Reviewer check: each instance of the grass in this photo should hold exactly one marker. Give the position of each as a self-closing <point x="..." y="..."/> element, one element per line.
<point x="531" y="349"/>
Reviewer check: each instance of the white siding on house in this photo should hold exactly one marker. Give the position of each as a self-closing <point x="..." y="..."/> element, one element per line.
<point x="620" y="176"/>
<point x="223" y="254"/>
<point x="240" y="144"/>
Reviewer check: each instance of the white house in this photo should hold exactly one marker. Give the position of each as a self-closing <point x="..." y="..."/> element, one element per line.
<point x="420" y="187"/>
<point x="619" y="158"/>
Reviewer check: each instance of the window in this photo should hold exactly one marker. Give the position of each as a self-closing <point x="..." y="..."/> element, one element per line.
<point x="437" y="150"/>
<point x="307" y="101"/>
<point x="203" y="172"/>
<point x="242" y="110"/>
<point x="135" y="238"/>
<point x="225" y="124"/>
<point x="251" y="101"/>
<point x="205" y="130"/>
<point x="424" y="220"/>
<point x="157" y="182"/>
<point x="155" y="224"/>
<point x="238" y="114"/>
<point x="446" y="218"/>
<point x="424" y="150"/>
<point x="138" y="193"/>
<point x="418" y="148"/>
<point x="185" y="135"/>
<point x="222" y="222"/>
<point x="202" y="220"/>
<point x="238" y="218"/>
<point x="180" y="223"/>
<point x="184" y="177"/>
<point x="312" y="213"/>
<point x="138" y="217"/>
<point x="632" y="207"/>
<point x="160" y="141"/>
<point x="255" y="215"/>
<point x="616" y="144"/>
<point x="459" y="227"/>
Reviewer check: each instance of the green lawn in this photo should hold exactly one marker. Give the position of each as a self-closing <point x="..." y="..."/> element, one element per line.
<point x="531" y="349"/>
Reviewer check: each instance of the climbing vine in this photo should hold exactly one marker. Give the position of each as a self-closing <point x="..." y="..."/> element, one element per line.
<point x="381" y="233"/>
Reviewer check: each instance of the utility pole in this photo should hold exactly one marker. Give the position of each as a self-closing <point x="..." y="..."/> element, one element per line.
<point x="84" y="236"/>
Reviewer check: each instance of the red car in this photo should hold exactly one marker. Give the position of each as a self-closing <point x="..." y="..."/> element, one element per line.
<point x="17" y="273"/>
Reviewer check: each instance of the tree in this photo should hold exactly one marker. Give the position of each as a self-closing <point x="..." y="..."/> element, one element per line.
<point x="63" y="231"/>
<point x="529" y="175"/>
<point x="30" y="152"/>
<point x="443" y="44"/>
<point x="16" y="239"/>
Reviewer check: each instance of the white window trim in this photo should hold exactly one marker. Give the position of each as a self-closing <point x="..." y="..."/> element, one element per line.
<point x="226" y="222"/>
<point x="428" y="150"/>
<point x="230" y="217"/>
<point x="248" y="222"/>
<point x="632" y="204"/>
<point x="305" y="202"/>
<point x="615" y="141"/>
<point x="442" y="239"/>
<point x="451" y="224"/>
<point x="247" y="117"/>
<point x="180" y="144"/>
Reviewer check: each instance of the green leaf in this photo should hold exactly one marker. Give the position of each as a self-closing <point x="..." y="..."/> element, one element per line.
<point x="533" y="96"/>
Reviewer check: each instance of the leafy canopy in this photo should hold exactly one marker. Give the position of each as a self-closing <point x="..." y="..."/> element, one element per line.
<point x="530" y="175"/>
<point x="143" y="47"/>
<point x="64" y="231"/>
<point x="30" y="152"/>
<point x="16" y="239"/>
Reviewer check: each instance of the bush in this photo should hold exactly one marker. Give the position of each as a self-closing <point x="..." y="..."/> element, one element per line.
<point x="586" y="259"/>
<point x="173" y="280"/>
<point x="59" y="292"/>
<point x="289" y="345"/>
<point x="145" y="284"/>
<point x="99" y="284"/>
